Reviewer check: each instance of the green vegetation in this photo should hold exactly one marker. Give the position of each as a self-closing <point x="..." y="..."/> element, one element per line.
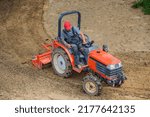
<point x="144" y="4"/>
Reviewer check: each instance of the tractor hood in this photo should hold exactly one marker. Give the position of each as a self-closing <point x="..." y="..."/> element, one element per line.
<point x="103" y="57"/>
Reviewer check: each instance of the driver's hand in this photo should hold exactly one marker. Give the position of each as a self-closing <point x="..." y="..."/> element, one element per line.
<point x="68" y="45"/>
<point x="84" y="42"/>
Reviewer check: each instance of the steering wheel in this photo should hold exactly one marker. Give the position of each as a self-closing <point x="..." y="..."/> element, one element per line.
<point x="89" y="42"/>
<point x="87" y="38"/>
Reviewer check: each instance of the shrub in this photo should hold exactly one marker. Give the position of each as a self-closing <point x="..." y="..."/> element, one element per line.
<point x="143" y="4"/>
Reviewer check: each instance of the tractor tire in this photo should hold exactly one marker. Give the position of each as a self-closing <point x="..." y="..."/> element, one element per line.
<point x="92" y="85"/>
<point x="61" y="63"/>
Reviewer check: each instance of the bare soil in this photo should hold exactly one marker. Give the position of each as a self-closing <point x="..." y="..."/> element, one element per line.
<point x="26" y="24"/>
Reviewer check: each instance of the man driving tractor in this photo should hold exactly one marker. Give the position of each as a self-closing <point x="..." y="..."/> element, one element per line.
<point x="74" y="39"/>
<point x="78" y="49"/>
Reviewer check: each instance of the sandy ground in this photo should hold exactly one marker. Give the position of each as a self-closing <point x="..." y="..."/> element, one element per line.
<point x="26" y="24"/>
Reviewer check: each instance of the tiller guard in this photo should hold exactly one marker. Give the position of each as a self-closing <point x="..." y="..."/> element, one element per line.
<point x="44" y="58"/>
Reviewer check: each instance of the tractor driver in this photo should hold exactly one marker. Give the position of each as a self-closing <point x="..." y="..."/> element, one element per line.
<point x="73" y="38"/>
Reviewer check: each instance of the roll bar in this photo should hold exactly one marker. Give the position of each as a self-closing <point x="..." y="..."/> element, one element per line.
<point x="64" y="14"/>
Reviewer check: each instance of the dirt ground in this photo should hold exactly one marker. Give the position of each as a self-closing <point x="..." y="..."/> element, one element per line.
<point x="25" y="24"/>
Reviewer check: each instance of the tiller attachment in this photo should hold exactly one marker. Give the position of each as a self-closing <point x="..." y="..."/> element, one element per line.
<point x="44" y="58"/>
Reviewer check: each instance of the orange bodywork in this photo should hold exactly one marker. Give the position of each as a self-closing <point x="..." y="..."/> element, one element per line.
<point x="43" y="59"/>
<point x="98" y="55"/>
<point x="102" y="57"/>
<point x="46" y="57"/>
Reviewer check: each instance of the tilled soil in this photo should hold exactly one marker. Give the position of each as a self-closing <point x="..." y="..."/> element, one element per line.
<point x="26" y="24"/>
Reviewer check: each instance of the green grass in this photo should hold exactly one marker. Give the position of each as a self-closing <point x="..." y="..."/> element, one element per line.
<point x="144" y="5"/>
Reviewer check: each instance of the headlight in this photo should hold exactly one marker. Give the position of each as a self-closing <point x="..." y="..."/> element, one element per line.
<point x="111" y="67"/>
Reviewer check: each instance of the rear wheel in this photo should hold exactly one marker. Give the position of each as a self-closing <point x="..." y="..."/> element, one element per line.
<point x="92" y="85"/>
<point x="61" y="63"/>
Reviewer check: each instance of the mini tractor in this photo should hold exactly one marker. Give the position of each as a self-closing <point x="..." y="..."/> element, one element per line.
<point x="100" y="67"/>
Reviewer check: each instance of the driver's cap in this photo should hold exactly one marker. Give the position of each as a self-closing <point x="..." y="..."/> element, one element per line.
<point x="67" y="25"/>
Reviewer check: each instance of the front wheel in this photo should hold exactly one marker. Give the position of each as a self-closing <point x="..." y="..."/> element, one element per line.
<point x="92" y="85"/>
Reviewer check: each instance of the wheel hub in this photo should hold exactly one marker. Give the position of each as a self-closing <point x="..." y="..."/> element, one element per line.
<point x="59" y="63"/>
<point x="90" y="86"/>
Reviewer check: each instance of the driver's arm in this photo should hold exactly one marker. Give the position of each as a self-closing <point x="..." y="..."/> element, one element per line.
<point x="80" y="33"/>
<point x="83" y="37"/>
<point x="64" y="42"/>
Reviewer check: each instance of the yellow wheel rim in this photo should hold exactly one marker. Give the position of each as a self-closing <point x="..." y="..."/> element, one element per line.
<point x="90" y="87"/>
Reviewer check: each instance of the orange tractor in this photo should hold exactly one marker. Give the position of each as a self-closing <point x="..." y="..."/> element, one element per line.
<point x="101" y="66"/>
